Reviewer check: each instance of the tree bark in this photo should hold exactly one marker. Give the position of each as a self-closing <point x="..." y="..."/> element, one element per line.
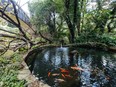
<point x="79" y="18"/>
<point x="9" y="32"/>
<point x="75" y="15"/>
<point x="19" y="25"/>
<point x="68" y="21"/>
<point x="71" y="28"/>
<point x="45" y="38"/>
<point x="14" y="37"/>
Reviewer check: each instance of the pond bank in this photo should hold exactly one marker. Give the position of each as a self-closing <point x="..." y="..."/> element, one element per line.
<point x="15" y="72"/>
<point x="25" y="74"/>
<point x="98" y="46"/>
<point x="34" y="80"/>
<point x="60" y="50"/>
<point x="90" y="45"/>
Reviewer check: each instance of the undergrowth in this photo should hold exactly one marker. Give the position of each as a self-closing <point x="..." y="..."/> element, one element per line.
<point x="9" y="70"/>
<point x="107" y="39"/>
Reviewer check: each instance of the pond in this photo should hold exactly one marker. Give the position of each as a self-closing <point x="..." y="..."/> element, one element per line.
<point x="75" y="67"/>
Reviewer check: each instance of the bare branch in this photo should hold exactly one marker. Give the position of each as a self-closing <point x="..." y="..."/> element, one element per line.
<point x="21" y="45"/>
<point x="19" y="25"/>
<point x="6" y="7"/>
<point x="7" y="47"/>
<point x="14" y="37"/>
<point x="45" y="38"/>
<point x="9" y="31"/>
<point x="6" y="17"/>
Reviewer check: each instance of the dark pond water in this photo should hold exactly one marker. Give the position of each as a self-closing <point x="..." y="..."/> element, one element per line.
<point x="64" y="67"/>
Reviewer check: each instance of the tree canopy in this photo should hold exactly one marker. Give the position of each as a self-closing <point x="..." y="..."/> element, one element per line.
<point x="71" y="18"/>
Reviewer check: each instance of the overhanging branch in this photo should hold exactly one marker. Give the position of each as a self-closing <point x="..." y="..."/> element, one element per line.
<point x="45" y="38"/>
<point x="9" y="31"/>
<point x="14" y="37"/>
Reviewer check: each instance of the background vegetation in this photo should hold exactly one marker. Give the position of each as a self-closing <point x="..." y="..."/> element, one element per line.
<point x="54" y="22"/>
<point x="75" y="21"/>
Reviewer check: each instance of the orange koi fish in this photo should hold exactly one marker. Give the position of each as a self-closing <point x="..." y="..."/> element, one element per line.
<point x="60" y="80"/>
<point x="107" y="77"/>
<point x="64" y="71"/>
<point x="75" y="65"/>
<point x="63" y="75"/>
<point x="77" y="68"/>
<point x="68" y="76"/>
<point x="49" y="73"/>
<point x="55" y="74"/>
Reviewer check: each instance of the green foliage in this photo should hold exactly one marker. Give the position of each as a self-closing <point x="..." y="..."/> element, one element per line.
<point x="23" y="49"/>
<point x="97" y="19"/>
<point x="92" y="23"/>
<point x="9" y="78"/>
<point x="9" y="70"/>
<point x="41" y="11"/>
<point x="107" y="39"/>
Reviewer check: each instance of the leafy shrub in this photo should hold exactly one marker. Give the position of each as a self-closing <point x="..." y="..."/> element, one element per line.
<point x="107" y="39"/>
<point x="9" y="71"/>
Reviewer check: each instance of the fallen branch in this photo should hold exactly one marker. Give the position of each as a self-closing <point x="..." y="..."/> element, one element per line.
<point x="21" y="45"/>
<point x="6" y="48"/>
<point x="17" y="24"/>
<point x="39" y="42"/>
<point x="1" y="29"/>
<point x="14" y="37"/>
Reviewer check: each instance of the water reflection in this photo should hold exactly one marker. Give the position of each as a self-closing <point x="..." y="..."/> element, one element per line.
<point x="99" y="67"/>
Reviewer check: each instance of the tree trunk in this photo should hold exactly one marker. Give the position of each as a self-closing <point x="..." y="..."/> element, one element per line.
<point x="71" y="29"/>
<point x="79" y="18"/>
<point x="83" y="8"/>
<point x="75" y="15"/>
<point x="68" y="21"/>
